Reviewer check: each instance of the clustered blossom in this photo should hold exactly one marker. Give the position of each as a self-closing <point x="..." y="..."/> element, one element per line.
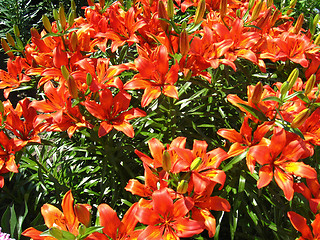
<point x="181" y="185"/>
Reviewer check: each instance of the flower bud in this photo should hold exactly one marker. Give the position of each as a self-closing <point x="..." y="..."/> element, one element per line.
<point x="257" y="93"/>
<point x="317" y="41"/>
<point x="301" y="118"/>
<point x="6" y="48"/>
<point x="55" y="14"/>
<point x="46" y="23"/>
<point x="82" y="229"/>
<point x="65" y="72"/>
<point x="72" y="87"/>
<point x="102" y="3"/>
<point x="195" y="163"/>
<point x="182" y="187"/>
<point x="298" y="25"/>
<point x="74" y="41"/>
<point x="10" y="39"/>
<point x="166" y="161"/>
<point x="62" y="17"/>
<point x="256" y="10"/>
<point x="1" y="107"/>
<point x="184" y="42"/>
<point x="250" y="4"/>
<point x="162" y="13"/>
<point x="16" y="30"/>
<point x="201" y="9"/>
<point x="310" y="84"/>
<point x="82" y="212"/>
<point x="73" y="5"/>
<point x="71" y="18"/>
<point x="274" y="17"/>
<point x="291" y="6"/>
<point x="293" y="78"/>
<point x="284" y="88"/>
<point x="170" y="9"/>
<point x="269" y="3"/>
<point x="56" y="233"/>
<point x="89" y="79"/>
<point x="223" y="8"/>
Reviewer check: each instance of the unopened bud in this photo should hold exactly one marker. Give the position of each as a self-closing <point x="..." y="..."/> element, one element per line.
<point x="56" y="233"/>
<point x="184" y="42"/>
<point x="269" y="3"/>
<point x="298" y="24"/>
<point x="82" y="212"/>
<point x="293" y="78"/>
<point x="162" y="13"/>
<point x="82" y="229"/>
<point x="89" y="79"/>
<point x="182" y="187"/>
<point x="34" y="33"/>
<point x="55" y="14"/>
<point x="102" y="3"/>
<point x="317" y="41"/>
<point x="310" y="84"/>
<point x="90" y="3"/>
<point x="274" y="17"/>
<point x="223" y="8"/>
<point x="46" y="23"/>
<point x="256" y="10"/>
<point x="6" y="48"/>
<point x="72" y="87"/>
<point x="16" y="30"/>
<point x="257" y="93"/>
<point x="73" y="5"/>
<point x="301" y="118"/>
<point x="284" y="88"/>
<point x="62" y="17"/>
<point x="166" y="161"/>
<point x="65" y="72"/>
<point x="195" y="163"/>
<point x="1" y="107"/>
<point x="250" y="4"/>
<point x="170" y="9"/>
<point x="10" y="39"/>
<point x="291" y="6"/>
<point x="74" y="41"/>
<point x="71" y="18"/>
<point x="201" y="9"/>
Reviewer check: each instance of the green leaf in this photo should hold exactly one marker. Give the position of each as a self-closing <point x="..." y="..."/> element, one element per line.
<point x="234" y="161"/>
<point x="286" y="126"/>
<point x="272" y="98"/>
<point x="256" y="113"/>
<point x="293" y="95"/>
<point x="51" y="34"/>
<point x="13" y="220"/>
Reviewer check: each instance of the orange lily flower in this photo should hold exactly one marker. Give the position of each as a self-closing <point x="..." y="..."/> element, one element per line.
<point x="14" y="77"/>
<point x="311" y="193"/>
<point x="166" y="219"/>
<point x="202" y="165"/>
<point x="300" y="224"/>
<point x="114" y="112"/>
<point x="154" y="75"/>
<point x="113" y="227"/>
<point x="7" y="158"/>
<point x="279" y="159"/>
<point x="243" y="140"/>
<point x="53" y="217"/>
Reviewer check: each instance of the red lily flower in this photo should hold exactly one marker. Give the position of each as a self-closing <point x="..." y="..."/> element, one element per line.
<point x="7" y="151"/>
<point x="114" y="112"/>
<point x="166" y="219"/>
<point x="154" y="75"/>
<point x="243" y="140"/>
<point x="113" y="227"/>
<point x="311" y="193"/>
<point x="300" y="224"/>
<point x="279" y="159"/>
<point x="202" y="165"/>
<point x="14" y="77"/>
<point x="26" y="130"/>
<point x="53" y="217"/>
